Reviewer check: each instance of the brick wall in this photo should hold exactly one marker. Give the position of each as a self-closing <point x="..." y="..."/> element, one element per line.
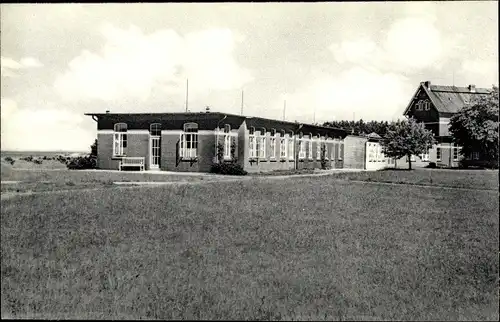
<point x="169" y="153"/>
<point x="355" y="149"/>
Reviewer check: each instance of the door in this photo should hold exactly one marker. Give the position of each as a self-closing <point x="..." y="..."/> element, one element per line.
<point x="154" y="153"/>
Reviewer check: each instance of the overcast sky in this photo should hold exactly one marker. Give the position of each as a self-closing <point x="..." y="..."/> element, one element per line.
<point x="329" y="60"/>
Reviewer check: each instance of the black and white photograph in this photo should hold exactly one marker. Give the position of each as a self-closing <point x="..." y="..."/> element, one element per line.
<point x="265" y="161"/>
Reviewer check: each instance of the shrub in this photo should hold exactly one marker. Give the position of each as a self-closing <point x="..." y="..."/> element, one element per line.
<point x="228" y="168"/>
<point x="28" y="158"/>
<point x="10" y="160"/>
<point x="37" y="161"/>
<point x="82" y="162"/>
<point x="431" y="165"/>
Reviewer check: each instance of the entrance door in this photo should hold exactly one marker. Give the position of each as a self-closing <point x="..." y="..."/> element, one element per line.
<point x="154" y="153"/>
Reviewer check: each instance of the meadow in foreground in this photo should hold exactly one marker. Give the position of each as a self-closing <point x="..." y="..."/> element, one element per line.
<point x="301" y="248"/>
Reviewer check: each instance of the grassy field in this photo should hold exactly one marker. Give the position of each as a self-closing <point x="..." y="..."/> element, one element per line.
<point x="298" y="248"/>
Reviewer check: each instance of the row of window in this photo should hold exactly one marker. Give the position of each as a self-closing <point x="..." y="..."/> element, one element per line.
<point x="422" y="105"/>
<point x="456" y="153"/>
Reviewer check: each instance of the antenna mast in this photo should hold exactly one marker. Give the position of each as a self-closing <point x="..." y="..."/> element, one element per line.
<point x="187" y="93"/>
<point x="241" y="102"/>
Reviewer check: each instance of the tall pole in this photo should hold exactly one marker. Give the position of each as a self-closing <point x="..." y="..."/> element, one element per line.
<point x="241" y="102"/>
<point x="284" y="109"/>
<point x="314" y="115"/>
<point x="187" y="93"/>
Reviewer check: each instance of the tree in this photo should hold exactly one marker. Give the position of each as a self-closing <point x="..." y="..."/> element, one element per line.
<point x="93" y="149"/>
<point x="475" y="127"/>
<point x="406" y="138"/>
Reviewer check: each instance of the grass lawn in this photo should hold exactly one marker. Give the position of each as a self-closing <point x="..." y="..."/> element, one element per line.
<point x="302" y="248"/>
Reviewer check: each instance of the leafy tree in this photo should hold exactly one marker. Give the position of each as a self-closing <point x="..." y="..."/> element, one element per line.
<point x="475" y="127"/>
<point x="93" y="149"/>
<point x="406" y="138"/>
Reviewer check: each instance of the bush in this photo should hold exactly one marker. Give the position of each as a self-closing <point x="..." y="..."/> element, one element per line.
<point x="28" y="158"/>
<point x="37" y="161"/>
<point x="228" y="168"/>
<point x="431" y="165"/>
<point x="10" y="160"/>
<point x="82" y="162"/>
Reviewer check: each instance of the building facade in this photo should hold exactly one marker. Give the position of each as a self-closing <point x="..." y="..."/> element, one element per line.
<point x="434" y="105"/>
<point x="192" y="142"/>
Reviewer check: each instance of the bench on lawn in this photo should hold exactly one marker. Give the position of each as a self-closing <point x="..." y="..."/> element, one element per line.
<point x="131" y="162"/>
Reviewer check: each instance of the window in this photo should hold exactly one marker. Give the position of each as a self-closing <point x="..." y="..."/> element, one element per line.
<point x="418" y="106"/>
<point x="262" y="145"/>
<point x="438" y="153"/>
<point x="302" y="149"/>
<point x="283" y="145"/>
<point x="227" y="141"/>
<point x="427" y="105"/>
<point x="310" y="146"/>
<point x="120" y="139"/>
<point x="272" y="142"/>
<point x="252" y="144"/>
<point x="155" y="129"/>
<point x="425" y="156"/>
<point x="189" y="141"/>
<point x="412" y="158"/>
<point x="341" y="150"/>
<point x="456" y="149"/>
<point x="475" y="155"/>
<point x="318" y="150"/>
<point x="291" y="150"/>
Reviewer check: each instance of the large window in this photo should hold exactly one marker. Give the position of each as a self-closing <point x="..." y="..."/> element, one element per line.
<point x="252" y="144"/>
<point x="310" y="147"/>
<point x="120" y="139"/>
<point x="189" y="141"/>
<point x="262" y="144"/>
<point x="318" y="149"/>
<point x="438" y="153"/>
<point x="291" y="150"/>
<point x="302" y="147"/>
<point x="227" y="141"/>
<point x="283" y="145"/>
<point x="272" y="142"/>
<point x="456" y="150"/>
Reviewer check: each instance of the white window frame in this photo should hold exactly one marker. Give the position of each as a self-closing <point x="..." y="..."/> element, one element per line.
<point x="120" y="139"/>
<point x="291" y="150"/>
<point x="310" y="148"/>
<point x="427" y="105"/>
<point x="272" y="142"/>
<point x="318" y="149"/>
<point x="188" y="137"/>
<point x="456" y="150"/>
<point x="227" y="142"/>
<point x="302" y="149"/>
<point x="475" y="155"/>
<point x="155" y="129"/>
<point x="440" y="155"/>
<point x="425" y="156"/>
<point x="283" y="146"/>
<point x="341" y="143"/>
<point x="252" y="144"/>
<point x="262" y="146"/>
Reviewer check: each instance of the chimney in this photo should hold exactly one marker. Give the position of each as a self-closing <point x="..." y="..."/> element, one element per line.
<point x="107" y="111"/>
<point x="427" y="84"/>
<point x="472" y="88"/>
<point x="207" y="109"/>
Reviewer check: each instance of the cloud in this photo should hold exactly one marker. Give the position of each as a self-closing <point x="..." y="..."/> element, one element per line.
<point x="9" y="65"/>
<point x="44" y="128"/>
<point x="133" y="65"/>
<point x="410" y="44"/>
<point x="482" y="73"/>
<point x="369" y="94"/>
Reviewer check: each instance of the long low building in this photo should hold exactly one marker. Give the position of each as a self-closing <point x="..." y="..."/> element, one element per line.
<point x="192" y="142"/>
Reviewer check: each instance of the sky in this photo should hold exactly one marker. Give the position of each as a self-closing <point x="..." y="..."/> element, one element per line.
<point x="329" y="61"/>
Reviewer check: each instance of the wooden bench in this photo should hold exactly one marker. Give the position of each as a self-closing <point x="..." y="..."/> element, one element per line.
<point x="132" y="162"/>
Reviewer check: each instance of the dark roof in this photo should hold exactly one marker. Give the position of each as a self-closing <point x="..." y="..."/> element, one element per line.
<point x="209" y="121"/>
<point x="450" y="99"/>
